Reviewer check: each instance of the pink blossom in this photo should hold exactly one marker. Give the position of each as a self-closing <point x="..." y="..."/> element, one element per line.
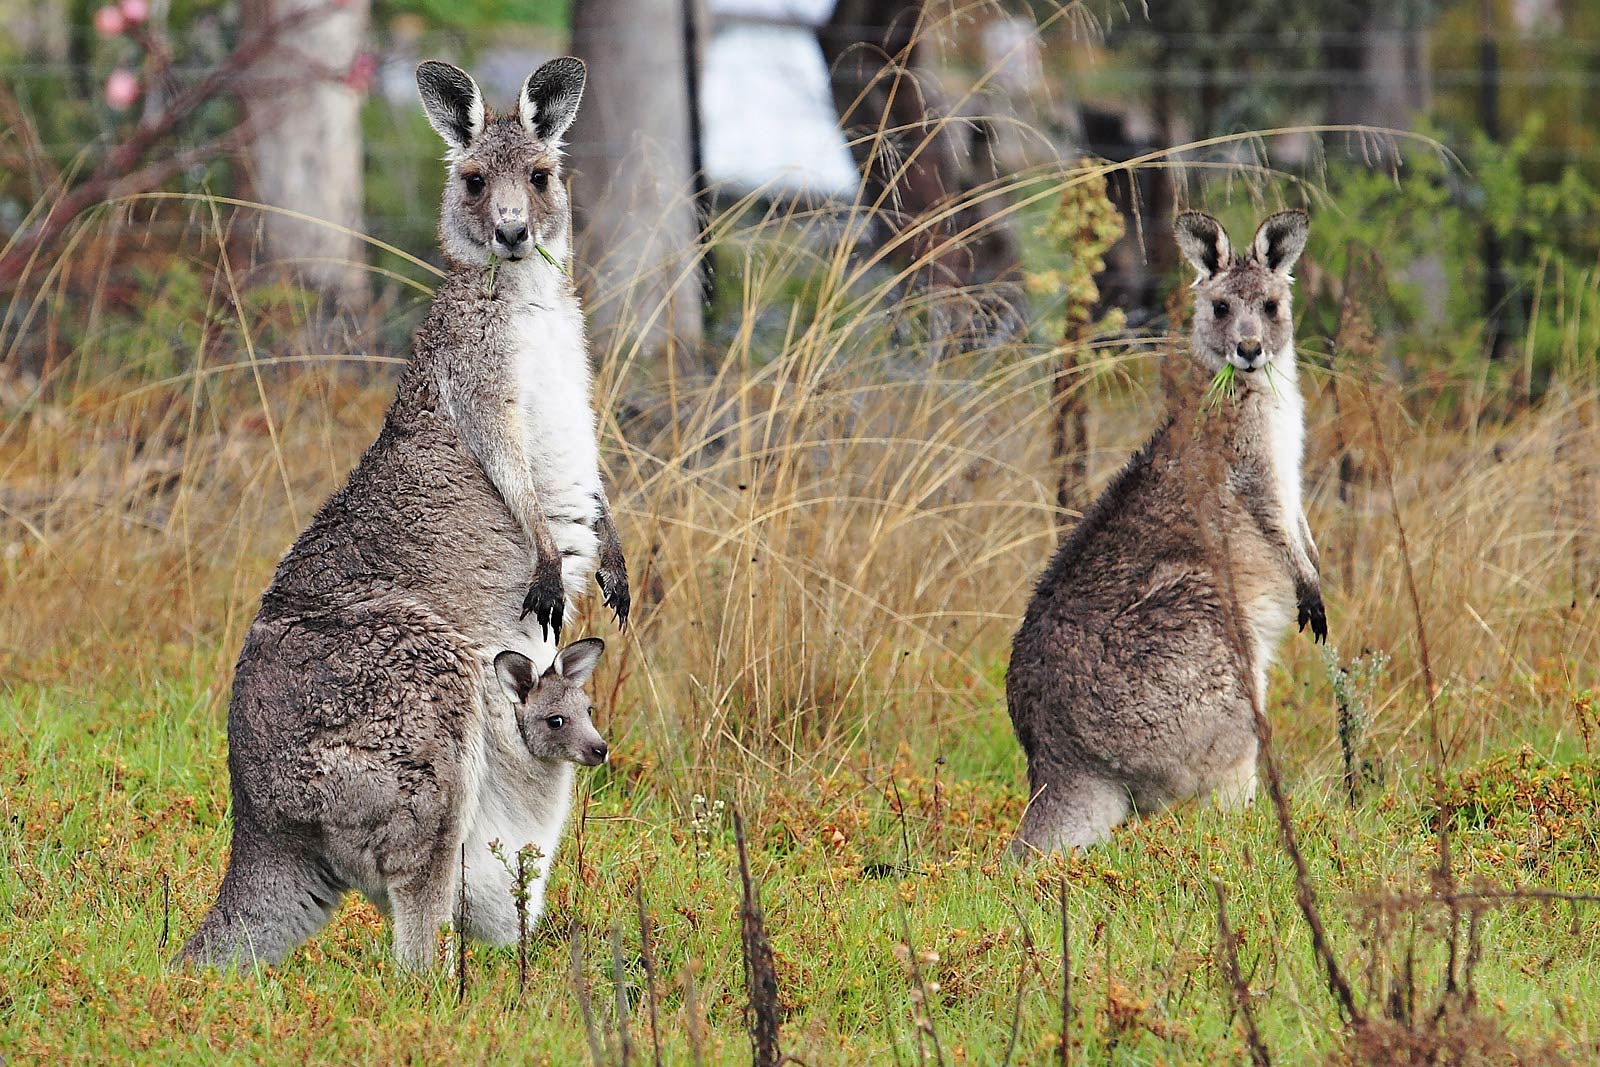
<point x="135" y="11"/>
<point x="122" y="89"/>
<point x="108" y="21"/>
<point x="362" y="70"/>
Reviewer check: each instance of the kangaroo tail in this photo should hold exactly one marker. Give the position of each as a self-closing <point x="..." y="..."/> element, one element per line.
<point x="273" y="897"/>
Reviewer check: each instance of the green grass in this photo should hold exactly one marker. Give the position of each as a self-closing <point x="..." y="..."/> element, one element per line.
<point x="114" y="781"/>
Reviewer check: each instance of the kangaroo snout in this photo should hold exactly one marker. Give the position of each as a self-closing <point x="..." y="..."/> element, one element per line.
<point x="1248" y="354"/>
<point x="511" y="240"/>
<point x="596" y="755"/>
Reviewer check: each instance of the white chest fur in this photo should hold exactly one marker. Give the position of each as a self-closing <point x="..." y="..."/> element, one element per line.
<point x="1286" y="443"/>
<point x="554" y="386"/>
<point x="550" y="360"/>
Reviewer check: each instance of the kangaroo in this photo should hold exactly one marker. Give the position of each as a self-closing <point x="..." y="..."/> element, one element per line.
<point x="554" y="720"/>
<point x="1124" y="686"/>
<point x="366" y="742"/>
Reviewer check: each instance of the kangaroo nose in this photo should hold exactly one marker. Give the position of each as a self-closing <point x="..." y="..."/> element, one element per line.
<point x="599" y="752"/>
<point x="1250" y="350"/>
<point x="511" y="234"/>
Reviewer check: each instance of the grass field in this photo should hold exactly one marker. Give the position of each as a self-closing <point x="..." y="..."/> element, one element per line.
<point x="829" y="555"/>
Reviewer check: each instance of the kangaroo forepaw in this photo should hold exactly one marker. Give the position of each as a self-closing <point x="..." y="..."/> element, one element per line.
<point x="614" y="593"/>
<point x="1311" y="611"/>
<point x="546" y="599"/>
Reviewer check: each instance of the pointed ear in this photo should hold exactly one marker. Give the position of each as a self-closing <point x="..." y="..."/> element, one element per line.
<point x="516" y="675"/>
<point x="1280" y="240"/>
<point x="452" y="101"/>
<point x="577" y="661"/>
<point x="550" y="96"/>
<point x="1203" y="243"/>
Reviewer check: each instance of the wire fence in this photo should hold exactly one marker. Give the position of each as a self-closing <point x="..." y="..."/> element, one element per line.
<point x="1074" y="95"/>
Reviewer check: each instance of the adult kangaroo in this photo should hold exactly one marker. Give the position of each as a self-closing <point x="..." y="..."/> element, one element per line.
<point x="368" y="741"/>
<point x="1135" y="674"/>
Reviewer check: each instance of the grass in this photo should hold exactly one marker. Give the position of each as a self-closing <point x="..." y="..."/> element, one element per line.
<point x="112" y="787"/>
<point x="832" y="538"/>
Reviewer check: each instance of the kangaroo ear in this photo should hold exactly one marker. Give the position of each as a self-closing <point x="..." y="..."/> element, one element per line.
<point x="516" y="675"/>
<point x="1203" y="243"/>
<point x="452" y="101"/>
<point x="550" y="96"/>
<point x="577" y="661"/>
<point x="1280" y="240"/>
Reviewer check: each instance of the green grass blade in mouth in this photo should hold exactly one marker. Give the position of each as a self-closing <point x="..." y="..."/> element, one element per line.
<point x="550" y="259"/>
<point x="1224" y="385"/>
<point x="494" y="264"/>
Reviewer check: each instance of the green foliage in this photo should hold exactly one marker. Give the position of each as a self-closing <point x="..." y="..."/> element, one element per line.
<point x="1081" y="230"/>
<point x="479" y="14"/>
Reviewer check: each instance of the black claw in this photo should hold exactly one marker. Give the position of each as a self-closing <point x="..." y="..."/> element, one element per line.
<point x="1312" y="612"/>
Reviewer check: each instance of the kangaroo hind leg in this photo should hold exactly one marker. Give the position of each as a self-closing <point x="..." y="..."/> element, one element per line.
<point x="273" y="897"/>
<point x="1073" y="810"/>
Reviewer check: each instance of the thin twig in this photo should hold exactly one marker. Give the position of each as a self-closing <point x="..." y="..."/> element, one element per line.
<point x="1241" y="990"/>
<point x="1066" y="981"/>
<point x="624" y="1037"/>
<point x="647" y="949"/>
<point x="761" y="977"/>
<point x="580" y="986"/>
<point x="461" y="931"/>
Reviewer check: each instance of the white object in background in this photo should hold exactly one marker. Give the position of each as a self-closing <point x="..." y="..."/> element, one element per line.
<point x="767" y="113"/>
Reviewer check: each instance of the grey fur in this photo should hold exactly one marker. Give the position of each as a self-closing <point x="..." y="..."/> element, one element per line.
<point x="367" y="736"/>
<point x="1124" y="687"/>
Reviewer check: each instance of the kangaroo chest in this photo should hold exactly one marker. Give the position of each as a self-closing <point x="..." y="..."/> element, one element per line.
<point x="550" y="363"/>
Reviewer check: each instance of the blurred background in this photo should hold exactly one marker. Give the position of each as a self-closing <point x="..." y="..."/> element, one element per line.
<point x="922" y="122"/>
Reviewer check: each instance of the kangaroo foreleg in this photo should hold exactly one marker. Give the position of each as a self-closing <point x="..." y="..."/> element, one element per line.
<point x="612" y="572"/>
<point x="491" y="426"/>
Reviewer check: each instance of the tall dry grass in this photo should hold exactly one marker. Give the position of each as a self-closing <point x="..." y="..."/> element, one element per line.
<point x="832" y="534"/>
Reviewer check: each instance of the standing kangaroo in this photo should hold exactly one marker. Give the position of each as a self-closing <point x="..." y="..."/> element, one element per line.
<point x="367" y="740"/>
<point x="1125" y="686"/>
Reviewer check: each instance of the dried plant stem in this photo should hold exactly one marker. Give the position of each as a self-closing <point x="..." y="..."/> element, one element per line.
<point x="1423" y="652"/>
<point x="620" y="984"/>
<point x="696" y="1021"/>
<point x="1066" y="980"/>
<point x="1069" y="436"/>
<point x="1233" y="630"/>
<point x="924" y="1020"/>
<point x="461" y="932"/>
<point x="1241" y="991"/>
<point x="761" y="976"/>
<point x="580" y="986"/>
<point x="522" y="922"/>
<point x="647" y="949"/>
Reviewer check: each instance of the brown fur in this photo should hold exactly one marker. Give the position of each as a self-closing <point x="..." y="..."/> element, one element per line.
<point x="1124" y="687"/>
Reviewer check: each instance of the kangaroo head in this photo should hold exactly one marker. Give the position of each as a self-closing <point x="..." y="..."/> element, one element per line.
<point x="504" y="192"/>
<point x="553" y="712"/>
<point x="1241" y="303"/>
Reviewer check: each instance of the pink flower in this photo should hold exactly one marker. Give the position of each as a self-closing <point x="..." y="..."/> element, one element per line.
<point x="108" y="21"/>
<point x="122" y="89"/>
<point x="135" y="11"/>
<point x="362" y="70"/>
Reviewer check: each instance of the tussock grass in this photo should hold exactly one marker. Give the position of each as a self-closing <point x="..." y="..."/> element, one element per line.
<point x="833" y="532"/>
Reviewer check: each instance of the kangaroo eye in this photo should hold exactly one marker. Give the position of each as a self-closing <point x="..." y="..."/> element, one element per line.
<point x="1270" y="308"/>
<point x="556" y="722"/>
<point x="474" y="183"/>
<point x="541" y="178"/>
<point x="1219" y="309"/>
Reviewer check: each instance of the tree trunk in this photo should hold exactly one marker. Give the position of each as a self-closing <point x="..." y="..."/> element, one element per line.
<point x="306" y="156"/>
<point x="633" y="188"/>
<point x="911" y="173"/>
